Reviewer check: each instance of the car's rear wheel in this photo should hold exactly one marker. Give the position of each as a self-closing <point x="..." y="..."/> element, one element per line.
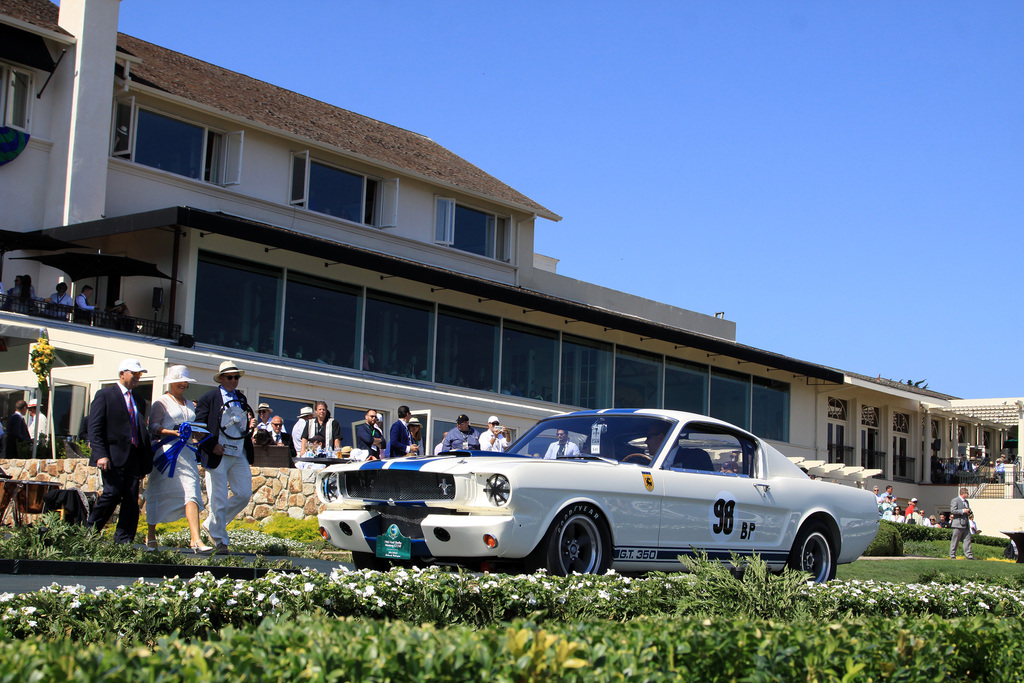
<point x="370" y="561"/>
<point x="578" y="541"/>
<point x="814" y="553"/>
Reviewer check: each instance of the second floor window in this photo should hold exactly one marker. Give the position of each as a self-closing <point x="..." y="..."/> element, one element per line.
<point x="175" y="145"/>
<point x="333" y="191"/>
<point x="15" y="85"/>
<point x="477" y="232"/>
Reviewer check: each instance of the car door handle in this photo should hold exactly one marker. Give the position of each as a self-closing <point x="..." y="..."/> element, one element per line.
<point x="766" y="487"/>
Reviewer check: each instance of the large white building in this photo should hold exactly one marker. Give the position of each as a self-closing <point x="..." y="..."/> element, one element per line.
<point x="339" y="258"/>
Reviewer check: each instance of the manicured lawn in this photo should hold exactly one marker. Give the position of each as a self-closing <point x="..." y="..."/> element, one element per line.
<point x="914" y="570"/>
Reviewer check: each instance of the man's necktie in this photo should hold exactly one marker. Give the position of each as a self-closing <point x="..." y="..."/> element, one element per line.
<point x="132" y="422"/>
<point x="561" y="450"/>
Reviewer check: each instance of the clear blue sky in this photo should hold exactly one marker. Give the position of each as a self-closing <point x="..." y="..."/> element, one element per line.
<point x="845" y="180"/>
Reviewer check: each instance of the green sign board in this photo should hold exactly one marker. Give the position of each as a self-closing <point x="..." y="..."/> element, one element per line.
<point x="393" y="545"/>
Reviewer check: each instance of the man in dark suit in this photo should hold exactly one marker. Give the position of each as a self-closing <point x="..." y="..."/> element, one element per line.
<point x="17" y="430"/>
<point x="960" y="511"/>
<point x="280" y="437"/>
<point x="226" y="460"/>
<point x="370" y="436"/>
<point x="401" y="439"/>
<point x="121" y="449"/>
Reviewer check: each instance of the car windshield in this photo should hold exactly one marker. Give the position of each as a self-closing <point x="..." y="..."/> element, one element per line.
<point x="624" y="438"/>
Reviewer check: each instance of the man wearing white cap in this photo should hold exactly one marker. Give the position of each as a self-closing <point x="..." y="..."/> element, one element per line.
<point x="36" y="420"/>
<point x="121" y="449"/>
<point x="496" y="437"/>
<point x="227" y="460"/>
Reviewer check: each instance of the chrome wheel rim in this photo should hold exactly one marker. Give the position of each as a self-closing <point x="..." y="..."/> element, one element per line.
<point x="579" y="546"/>
<point x="816" y="557"/>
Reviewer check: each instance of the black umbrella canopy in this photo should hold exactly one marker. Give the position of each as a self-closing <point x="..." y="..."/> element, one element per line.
<point x="82" y="266"/>
<point x="15" y="241"/>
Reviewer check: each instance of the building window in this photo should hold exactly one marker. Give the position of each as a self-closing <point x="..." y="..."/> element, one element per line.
<point x="686" y="386"/>
<point x="243" y="309"/>
<point x="176" y="146"/>
<point x="321" y="322"/>
<point x="529" y="362"/>
<point x="730" y="397"/>
<point x="637" y="379"/>
<point x="14" y="97"/>
<point x="397" y="334"/>
<point x="467" y="349"/>
<point x="770" y="409"/>
<point x="466" y="229"/>
<point x="901" y="423"/>
<point x="333" y="191"/>
<point x="587" y="369"/>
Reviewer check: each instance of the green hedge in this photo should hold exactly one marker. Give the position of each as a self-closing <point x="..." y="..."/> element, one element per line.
<point x="888" y="541"/>
<point x="916" y="532"/>
<point x="643" y="649"/>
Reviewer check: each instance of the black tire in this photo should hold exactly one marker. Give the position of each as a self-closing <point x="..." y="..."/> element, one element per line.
<point x="814" y="552"/>
<point x="370" y="561"/>
<point x="578" y="541"/>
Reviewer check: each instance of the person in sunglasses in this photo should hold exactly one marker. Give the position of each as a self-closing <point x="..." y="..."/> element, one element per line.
<point x="227" y="460"/>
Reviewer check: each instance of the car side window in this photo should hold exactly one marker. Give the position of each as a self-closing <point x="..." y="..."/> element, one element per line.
<point x="711" y="449"/>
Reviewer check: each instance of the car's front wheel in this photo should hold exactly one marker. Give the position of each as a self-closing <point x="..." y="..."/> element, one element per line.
<point x="578" y="541"/>
<point x="814" y="553"/>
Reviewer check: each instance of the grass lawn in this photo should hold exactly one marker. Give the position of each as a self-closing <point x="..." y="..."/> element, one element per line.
<point x="915" y="570"/>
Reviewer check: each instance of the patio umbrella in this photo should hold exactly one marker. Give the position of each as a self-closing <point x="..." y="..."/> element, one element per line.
<point x="82" y="266"/>
<point x="15" y="241"/>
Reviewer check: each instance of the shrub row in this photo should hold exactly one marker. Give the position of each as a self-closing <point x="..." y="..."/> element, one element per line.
<point x="649" y="649"/>
<point x="203" y="605"/>
<point x="891" y="538"/>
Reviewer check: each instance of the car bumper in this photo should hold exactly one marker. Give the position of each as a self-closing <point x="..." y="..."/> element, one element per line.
<point x="434" y="535"/>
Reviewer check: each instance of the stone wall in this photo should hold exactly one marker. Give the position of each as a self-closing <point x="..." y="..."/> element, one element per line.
<point x="275" y="490"/>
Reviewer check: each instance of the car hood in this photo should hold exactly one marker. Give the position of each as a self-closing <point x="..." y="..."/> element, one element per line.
<point x="460" y="461"/>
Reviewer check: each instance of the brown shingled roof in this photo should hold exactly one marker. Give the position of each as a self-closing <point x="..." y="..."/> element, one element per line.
<point x="41" y="13"/>
<point x="240" y="95"/>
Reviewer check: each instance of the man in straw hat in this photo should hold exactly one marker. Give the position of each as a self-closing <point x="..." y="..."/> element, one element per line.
<point x="227" y="460"/>
<point x="121" y="449"/>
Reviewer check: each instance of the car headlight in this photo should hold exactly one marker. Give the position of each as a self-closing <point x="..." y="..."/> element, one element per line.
<point x="329" y="487"/>
<point x="498" y="489"/>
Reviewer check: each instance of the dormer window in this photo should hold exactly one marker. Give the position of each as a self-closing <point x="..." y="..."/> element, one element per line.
<point x="472" y="230"/>
<point x="14" y="97"/>
<point x="334" y="191"/>
<point x="175" y="145"/>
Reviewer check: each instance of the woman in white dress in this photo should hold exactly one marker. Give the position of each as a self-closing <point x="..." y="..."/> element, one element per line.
<point x="170" y="498"/>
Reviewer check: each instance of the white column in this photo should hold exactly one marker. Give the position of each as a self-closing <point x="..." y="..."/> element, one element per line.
<point x="94" y="25"/>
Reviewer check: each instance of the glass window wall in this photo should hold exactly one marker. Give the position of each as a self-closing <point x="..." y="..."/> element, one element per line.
<point x="398" y="336"/>
<point x="730" y="397"/>
<point x="529" y="362"/>
<point x="238" y="303"/>
<point x="770" y="409"/>
<point x="686" y="386"/>
<point x="321" y="321"/>
<point x="637" y="379"/>
<point x="467" y="349"/>
<point x="587" y="368"/>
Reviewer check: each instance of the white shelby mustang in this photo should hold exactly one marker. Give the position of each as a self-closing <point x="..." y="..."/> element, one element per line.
<point x="638" y="489"/>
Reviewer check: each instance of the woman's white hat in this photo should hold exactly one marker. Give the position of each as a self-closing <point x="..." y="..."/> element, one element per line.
<point x="176" y="374"/>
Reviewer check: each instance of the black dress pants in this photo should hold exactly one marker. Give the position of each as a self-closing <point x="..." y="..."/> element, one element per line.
<point x="120" y="487"/>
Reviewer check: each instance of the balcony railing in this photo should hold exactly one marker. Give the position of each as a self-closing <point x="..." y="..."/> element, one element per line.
<point x="94" y="318"/>
<point x="841" y="454"/>
<point x="873" y="460"/>
<point x="904" y="469"/>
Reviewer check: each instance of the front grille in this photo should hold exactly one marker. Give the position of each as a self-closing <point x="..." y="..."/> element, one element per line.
<point x="400" y="485"/>
<point x="409" y="520"/>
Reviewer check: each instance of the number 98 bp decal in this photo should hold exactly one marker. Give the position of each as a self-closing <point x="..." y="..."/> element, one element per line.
<point x="722" y="518"/>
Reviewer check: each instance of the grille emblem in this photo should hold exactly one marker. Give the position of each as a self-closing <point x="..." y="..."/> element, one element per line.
<point x="444" y="488"/>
